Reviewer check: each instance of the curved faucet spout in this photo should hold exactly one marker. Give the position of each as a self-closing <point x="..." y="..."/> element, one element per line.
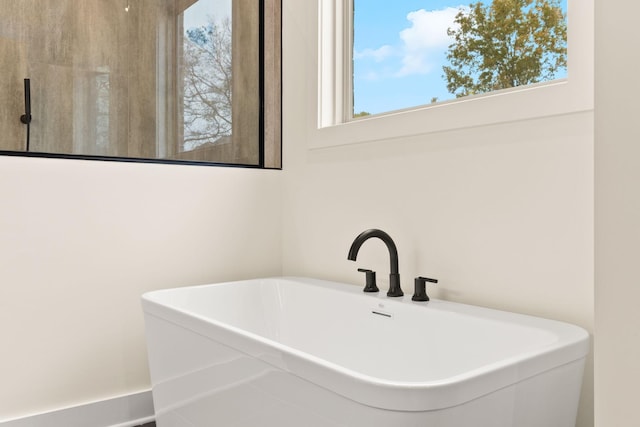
<point x="394" y="277"/>
<point x="368" y="234"/>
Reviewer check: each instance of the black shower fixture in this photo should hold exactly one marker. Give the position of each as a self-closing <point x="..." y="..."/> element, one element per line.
<point x="26" y="117"/>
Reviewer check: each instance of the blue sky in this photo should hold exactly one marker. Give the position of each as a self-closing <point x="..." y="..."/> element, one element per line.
<point x="199" y="13"/>
<point x="399" y="51"/>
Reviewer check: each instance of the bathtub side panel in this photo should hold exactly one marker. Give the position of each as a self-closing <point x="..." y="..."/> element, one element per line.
<point x="198" y="380"/>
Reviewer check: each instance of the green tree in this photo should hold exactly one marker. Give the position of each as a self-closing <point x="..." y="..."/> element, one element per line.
<point x="361" y="114"/>
<point x="505" y="44"/>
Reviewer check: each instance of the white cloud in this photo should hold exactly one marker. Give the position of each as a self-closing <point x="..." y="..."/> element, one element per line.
<point x="426" y="38"/>
<point x="378" y="55"/>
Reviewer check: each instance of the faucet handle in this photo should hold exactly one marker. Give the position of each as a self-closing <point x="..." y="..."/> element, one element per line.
<point x="370" y="280"/>
<point x="420" y="291"/>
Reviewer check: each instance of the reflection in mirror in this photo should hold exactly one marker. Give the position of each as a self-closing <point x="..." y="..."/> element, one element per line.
<point x="156" y="80"/>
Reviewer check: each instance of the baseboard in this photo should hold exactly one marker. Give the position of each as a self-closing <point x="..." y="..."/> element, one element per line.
<point x="124" y="411"/>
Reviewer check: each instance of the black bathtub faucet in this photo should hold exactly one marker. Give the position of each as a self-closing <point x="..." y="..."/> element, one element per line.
<point x="394" y="277"/>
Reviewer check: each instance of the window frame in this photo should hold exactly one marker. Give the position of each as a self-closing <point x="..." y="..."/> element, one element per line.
<point x="333" y="128"/>
<point x="269" y="97"/>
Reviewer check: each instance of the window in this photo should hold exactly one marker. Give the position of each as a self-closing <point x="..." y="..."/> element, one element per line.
<point x="366" y="50"/>
<point x="145" y="81"/>
<point x="411" y="53"/>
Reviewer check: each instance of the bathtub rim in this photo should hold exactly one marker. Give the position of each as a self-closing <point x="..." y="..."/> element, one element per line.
<point x="363" y="388"/>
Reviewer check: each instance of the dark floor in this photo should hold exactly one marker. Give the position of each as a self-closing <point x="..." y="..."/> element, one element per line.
<point x="152" y="424"/>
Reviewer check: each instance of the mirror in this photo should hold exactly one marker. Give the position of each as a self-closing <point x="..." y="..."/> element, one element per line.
<point x="194" y="81"/>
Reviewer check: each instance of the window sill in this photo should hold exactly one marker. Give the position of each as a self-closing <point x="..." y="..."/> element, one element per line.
<point x="536" y="101"/>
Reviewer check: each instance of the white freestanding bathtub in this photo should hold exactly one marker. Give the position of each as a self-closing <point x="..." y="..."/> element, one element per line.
<point x="298" y="352"/>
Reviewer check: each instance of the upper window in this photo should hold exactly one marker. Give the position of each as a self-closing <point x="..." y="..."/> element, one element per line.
<point x="196" y="81"/>
<point x="411" y="53"/>
<point x="405" y="68"/>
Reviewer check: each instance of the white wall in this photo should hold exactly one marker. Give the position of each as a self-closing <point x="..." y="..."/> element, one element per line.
<point x="81" y="241"/>
<point x="617" y="346"/>
<point x="502" y="215"/>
